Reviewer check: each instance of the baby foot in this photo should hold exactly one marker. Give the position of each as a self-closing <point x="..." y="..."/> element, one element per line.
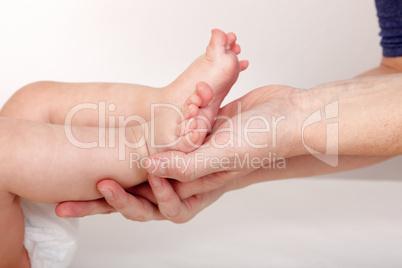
<point x="179" y="129"/>
<point x="219" y="67"/>
<point x="212" y="75"/>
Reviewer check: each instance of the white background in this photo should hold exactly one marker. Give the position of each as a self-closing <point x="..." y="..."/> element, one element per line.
<point x="345" y="220"/>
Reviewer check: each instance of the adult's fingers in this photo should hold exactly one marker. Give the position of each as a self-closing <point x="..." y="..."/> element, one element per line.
<point x="187" y="189"/>
<point x="204" y="184"/>
<point x="169" y="203"/>
<point x="101" y="206"/>
<point x="175" y="209"/>
<point x="83" y="208"/>
<point x="188" y="167"/>
<point x="143" y="190"/>
<point x="131" y="207"/>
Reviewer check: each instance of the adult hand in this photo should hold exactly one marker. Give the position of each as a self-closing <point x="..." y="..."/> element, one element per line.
<point x="157" y="200"/>
<point x="350" y="117"/>
<point x="178" y="201"/>
<point x="298" y="166"/>
<point x="181" y="201"/>
<point x="258" y="130"/>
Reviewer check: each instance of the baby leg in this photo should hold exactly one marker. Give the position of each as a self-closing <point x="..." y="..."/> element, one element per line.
<point x="50" y="102"/>
<point x="52" y="163"/>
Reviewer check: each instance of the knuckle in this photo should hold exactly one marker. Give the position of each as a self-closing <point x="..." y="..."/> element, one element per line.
<point x="179" y="171"/>
<point x="108" y="212"/>
<point x="181" y="220"/>
<point x="213" y="182"/>
<point x="173" y="213"/>
<point x="165" y="197"/>
<point x="139" y="218"/>
<point x="188" y="175"/>
<point x="118" y="205"/>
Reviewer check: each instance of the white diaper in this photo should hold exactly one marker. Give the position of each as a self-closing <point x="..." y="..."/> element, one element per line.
<point x="50" y="241"/>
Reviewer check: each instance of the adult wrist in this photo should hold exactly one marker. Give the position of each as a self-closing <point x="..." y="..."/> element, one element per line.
<point x="316" y="113"/>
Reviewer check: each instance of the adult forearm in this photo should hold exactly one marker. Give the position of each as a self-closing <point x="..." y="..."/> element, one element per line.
<point x="305" y="166"/>
<point x="365" y="116"/>
<point x="308" y="165"/>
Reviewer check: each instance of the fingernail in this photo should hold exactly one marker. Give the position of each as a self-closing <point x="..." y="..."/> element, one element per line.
<point x="107" y="193"/>
<point x="156" y="182"/>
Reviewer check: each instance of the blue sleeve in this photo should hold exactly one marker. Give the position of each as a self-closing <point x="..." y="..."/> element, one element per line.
<point x="389" y="14"/>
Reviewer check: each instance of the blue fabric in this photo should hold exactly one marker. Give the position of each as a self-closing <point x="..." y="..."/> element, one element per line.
<point x="389" y="14"/>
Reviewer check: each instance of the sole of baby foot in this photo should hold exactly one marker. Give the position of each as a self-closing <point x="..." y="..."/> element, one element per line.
<point x="183" y="129"/>
<point x="219" y="67"/>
